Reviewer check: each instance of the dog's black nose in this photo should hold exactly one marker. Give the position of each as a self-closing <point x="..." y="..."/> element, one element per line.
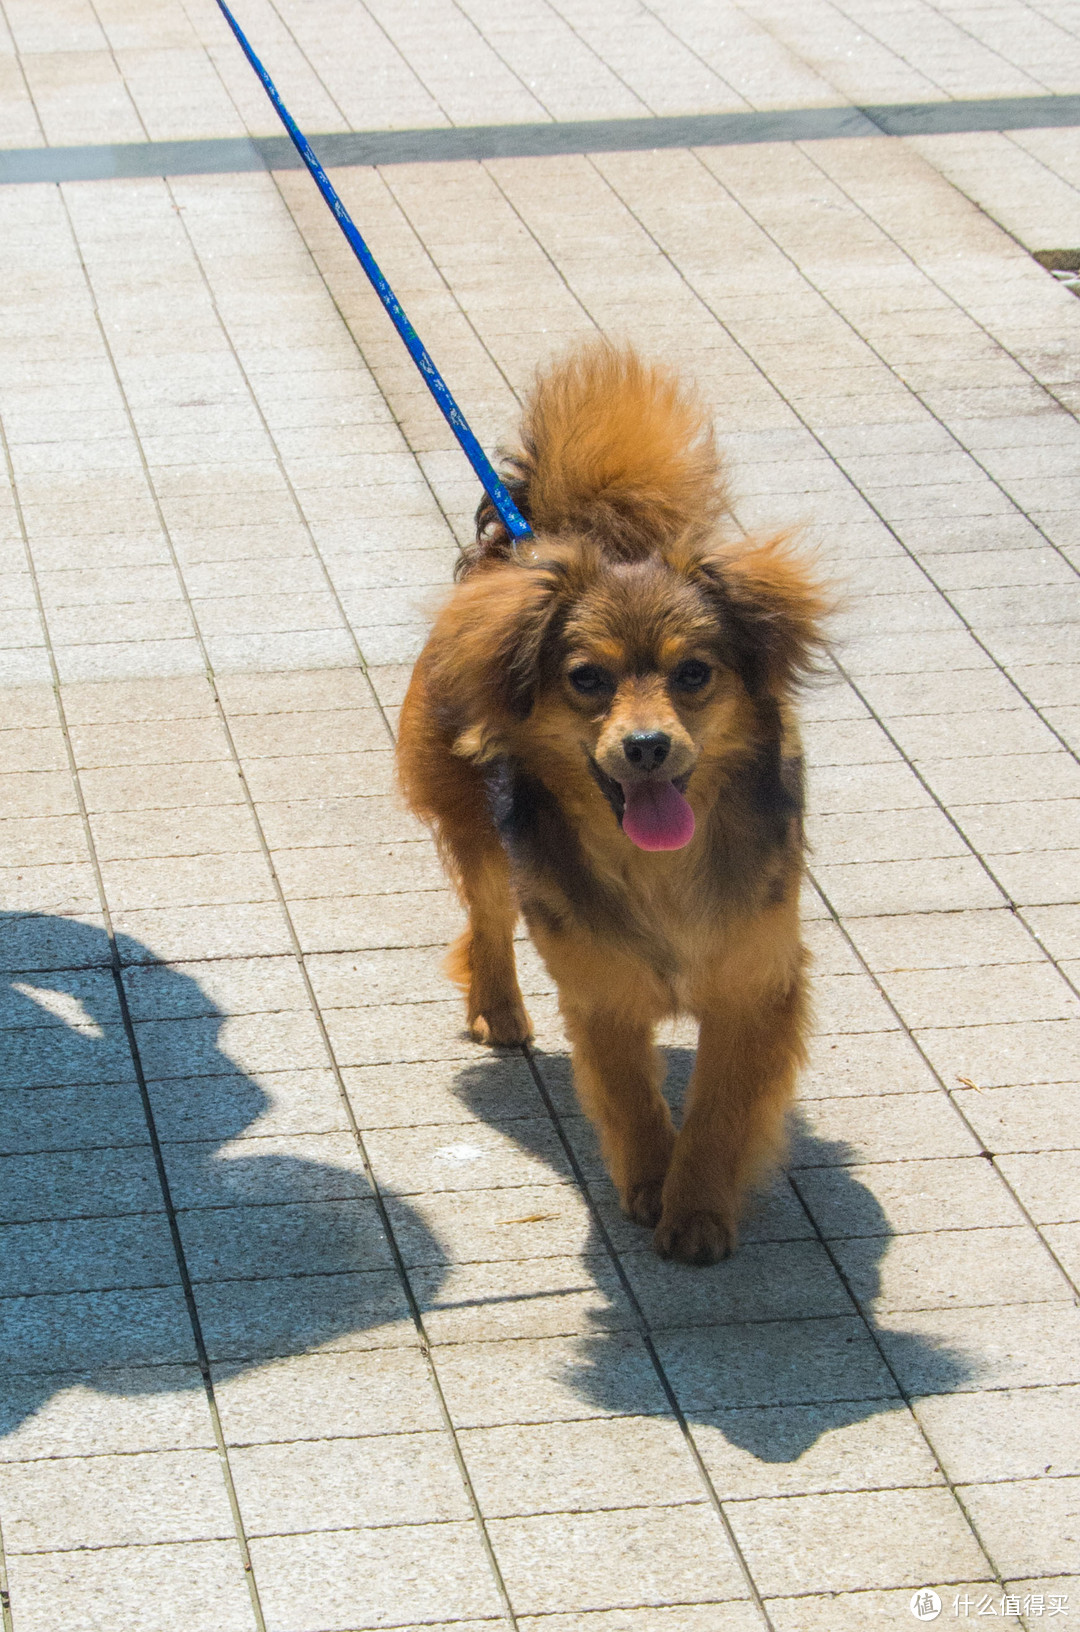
<point x="646" y="749"/>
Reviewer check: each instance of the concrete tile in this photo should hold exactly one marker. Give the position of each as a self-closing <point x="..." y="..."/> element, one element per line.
<point x="1029" y="1526"/>
<point x="328" y="1396"/>
<point x="774" y="1363"/>
<point x="859" y="1063"/>
<point x="850" y="1611"/>
<point x="67" y="1331"/>
<point x="944" y="940"/>
<point x="441" y="1092"/>
<point x="900" y="1127"/>
<point x="1001" y="1055"/>
<point x="80" y="1184"/>
<point x="245" y="1243"/>
<point x="788" y="1280"/>
<point x="954" y="884"/>
<point x="369" y="1578"/>
<point x="1058" y="927"/>
<point x="1019" y="1433"/>
<point x="1045" y="1597"/>
<point x="898" y="1198"/>
<point x="174" y="934"/>
<point x="841" y="1541"/>
<point x="1035" y="1117"/>
<point x="413" y="1161"/>
<point x="578" y="1466"/>
<point x="735" y="1616"/>
<point x="307" y="1167"/>
<point x="798" y="1450"/>
<point x="271" y="1103"/>
<point x="586" y="1561"/>
<point x="110" y="1501"/>
<point x="490" y="1226"/>
<point x="195" y="1587"/>
<point x="539" y="1298"/>
<point x="981" y="996"/>
<point x="1041" y="878"/>
<point x="346" y="1484"/>
<point x="947" y="1351"/>
<point x="200" y="1045"/>
<point x="152" y="1409"/>
<point x="1045" y="1184"/>
<point x="203" y="831"/>
<point x="952" y="1267"/>
<point x="556" y="1379"/>
<point x="87" y="1255"/>
<point x="1049" y="824"/>
<point x="244" y="1321"/>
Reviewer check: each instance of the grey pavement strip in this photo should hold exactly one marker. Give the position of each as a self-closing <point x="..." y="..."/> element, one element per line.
<point x="231" y="154"/>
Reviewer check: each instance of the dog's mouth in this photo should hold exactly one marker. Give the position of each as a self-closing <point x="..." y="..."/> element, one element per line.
<point x="652" y="813"/>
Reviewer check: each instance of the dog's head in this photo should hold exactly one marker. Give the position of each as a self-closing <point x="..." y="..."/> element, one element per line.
<point x="638" y="676"/>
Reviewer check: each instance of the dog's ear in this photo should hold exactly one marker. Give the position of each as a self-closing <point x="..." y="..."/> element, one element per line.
<point x="772" y="610"/>
<point x="489" y="644"/>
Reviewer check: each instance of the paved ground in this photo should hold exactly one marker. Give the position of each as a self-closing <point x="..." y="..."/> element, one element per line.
<point x="233" y="1400"/>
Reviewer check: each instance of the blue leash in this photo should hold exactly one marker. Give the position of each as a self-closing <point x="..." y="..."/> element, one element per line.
<point x="515" y="522"/>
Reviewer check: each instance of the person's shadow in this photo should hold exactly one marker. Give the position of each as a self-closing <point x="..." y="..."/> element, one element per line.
<point x="280" y="1236"/>
<point x="774" y="1325"/>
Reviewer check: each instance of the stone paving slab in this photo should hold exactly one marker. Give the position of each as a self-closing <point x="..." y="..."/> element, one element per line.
<point x="314" y="1316"/>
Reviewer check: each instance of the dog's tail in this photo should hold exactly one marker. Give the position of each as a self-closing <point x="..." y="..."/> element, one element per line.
<point x="614" y="446"/>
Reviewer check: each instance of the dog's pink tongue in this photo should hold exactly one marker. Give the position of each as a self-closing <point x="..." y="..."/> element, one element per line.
<point x="656" y="817"/>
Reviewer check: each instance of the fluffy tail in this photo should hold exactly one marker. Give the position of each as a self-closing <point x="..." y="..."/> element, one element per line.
<point x="614" y="446"/>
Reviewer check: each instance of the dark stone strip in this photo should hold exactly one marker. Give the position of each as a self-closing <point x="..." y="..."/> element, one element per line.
<point x="230" y="154"/>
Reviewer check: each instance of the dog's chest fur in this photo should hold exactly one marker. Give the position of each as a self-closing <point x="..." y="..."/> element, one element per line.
<point x="666" y="910"/>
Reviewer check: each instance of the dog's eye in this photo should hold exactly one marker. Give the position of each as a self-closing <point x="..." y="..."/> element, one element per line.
<point x="691" y="675"/>
<point x="589" y="680"/>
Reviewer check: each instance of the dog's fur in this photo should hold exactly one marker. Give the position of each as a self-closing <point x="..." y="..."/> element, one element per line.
<point x="634" y="574"/>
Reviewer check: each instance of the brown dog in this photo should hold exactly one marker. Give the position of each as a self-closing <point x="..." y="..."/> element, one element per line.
<point x="599" y="733"/>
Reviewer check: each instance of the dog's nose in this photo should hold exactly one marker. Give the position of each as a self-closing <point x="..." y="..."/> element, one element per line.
<point x="646" y="750"/>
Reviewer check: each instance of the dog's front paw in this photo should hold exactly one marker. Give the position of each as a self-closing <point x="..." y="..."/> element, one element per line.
<point x="695" y="1238"/>
<point x="642" y="1202"/>
<point x="501" y="1025"/>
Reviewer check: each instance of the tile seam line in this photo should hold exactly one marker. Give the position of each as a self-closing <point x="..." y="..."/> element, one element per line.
<point x="645" y="1336"/>
<point x="376" y="380"/>
<point x="832" y="910"/>
<point x="312" y="260"/>
<point x="38" y="122"/>
<point x="995" y="481"/>
<point x="577" y="1171"/>
<point x="397" y="1257"/>
<point x="466" y="317"/>
<point x="344" y="149"/>
<point x="909" y="553"/>
<point x="294" y="496"/>
<point x="298" y="953"/>
<point x="692" y="51"/>
<point x="958" y="1111"/>
<point x="950" y="21"/>
<point x="601" y="61"/>
<point x="301" y="52"/>
<point x="115" y="967"/>
<point x="5" y="1589"/>
<point x="905" y="1394"/>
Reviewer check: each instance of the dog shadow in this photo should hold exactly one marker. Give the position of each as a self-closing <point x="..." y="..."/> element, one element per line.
<point x="774" y="1325"/>
<point x="282" y="1244"/>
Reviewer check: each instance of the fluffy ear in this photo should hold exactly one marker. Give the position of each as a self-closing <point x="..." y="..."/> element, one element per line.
<point x="486" y="651"/>
<point x="773" y="608"/>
